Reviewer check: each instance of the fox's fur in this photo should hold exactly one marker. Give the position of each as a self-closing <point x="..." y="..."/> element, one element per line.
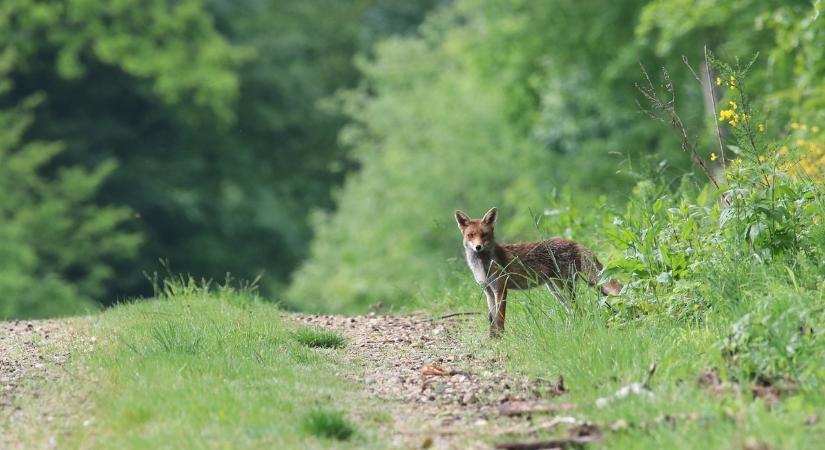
<point x="497" y="267"/>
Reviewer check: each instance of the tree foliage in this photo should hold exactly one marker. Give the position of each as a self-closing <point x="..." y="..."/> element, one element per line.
<point x="499" y="103"/>
<point x="211" y="110"/>
<point x="58" y="246"/>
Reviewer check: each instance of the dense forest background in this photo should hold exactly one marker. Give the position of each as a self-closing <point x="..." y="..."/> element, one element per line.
<point x="323" y="145"/>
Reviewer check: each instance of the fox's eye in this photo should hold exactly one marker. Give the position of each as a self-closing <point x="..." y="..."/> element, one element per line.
<point x="471" y="236"/>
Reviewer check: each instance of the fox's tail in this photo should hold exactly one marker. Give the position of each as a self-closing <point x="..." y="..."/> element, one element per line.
<point x="592" y="269"/>
<point x="612" y="287"/>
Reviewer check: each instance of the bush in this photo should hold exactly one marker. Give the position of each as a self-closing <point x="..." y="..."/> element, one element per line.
<point x="749" y="250"/>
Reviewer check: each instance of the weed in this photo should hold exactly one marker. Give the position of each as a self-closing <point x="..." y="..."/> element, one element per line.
<point x="327" y="424"/>
<point x="318" y="338"/>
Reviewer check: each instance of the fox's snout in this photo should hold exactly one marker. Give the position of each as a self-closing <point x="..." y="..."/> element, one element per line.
<point x="474" y="246"/>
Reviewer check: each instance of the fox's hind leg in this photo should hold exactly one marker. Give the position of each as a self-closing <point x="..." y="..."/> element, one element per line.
<point x="551" y="286"/>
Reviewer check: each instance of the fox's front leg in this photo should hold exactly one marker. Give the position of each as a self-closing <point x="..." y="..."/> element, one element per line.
<point x="497" y="322"/>
<point x="491" y="304"/>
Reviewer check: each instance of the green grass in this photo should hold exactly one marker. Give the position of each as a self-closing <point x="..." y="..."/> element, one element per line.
<point x="318" y="338"/>
<point x="220" y="369"/>
<point x="327" y="424"/>
<point x="597" y="357"/>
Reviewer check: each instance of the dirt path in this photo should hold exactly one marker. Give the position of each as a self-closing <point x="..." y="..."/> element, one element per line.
<point x="439" y="394"/>
<point x="32" y="357"/>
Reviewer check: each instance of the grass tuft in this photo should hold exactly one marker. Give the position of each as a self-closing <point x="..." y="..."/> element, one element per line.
<point x="327" y="424"/>
<point x="318" y="338"/>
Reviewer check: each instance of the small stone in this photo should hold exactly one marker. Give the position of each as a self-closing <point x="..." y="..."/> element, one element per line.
<point x="618" y="425"/>
<point x="468" y="398"/>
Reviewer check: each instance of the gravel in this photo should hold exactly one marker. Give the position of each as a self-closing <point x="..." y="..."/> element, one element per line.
<point x="32" y="356"/>
<point x="440" y="395"/>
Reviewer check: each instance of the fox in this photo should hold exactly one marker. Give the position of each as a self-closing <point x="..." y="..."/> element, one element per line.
<point x="554" y="262"/>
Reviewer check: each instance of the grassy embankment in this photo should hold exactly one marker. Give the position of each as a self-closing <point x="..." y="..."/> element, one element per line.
<point x="220" y="369"/>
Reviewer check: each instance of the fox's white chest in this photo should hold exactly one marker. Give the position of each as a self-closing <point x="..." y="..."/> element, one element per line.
<point x="479" y="269"/>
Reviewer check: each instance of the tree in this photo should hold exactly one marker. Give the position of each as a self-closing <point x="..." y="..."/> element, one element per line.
<point x="58" y="246"/>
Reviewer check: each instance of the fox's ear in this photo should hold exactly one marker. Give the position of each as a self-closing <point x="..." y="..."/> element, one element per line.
<point x="462" y="219"/>
<point x="490" y="217"/>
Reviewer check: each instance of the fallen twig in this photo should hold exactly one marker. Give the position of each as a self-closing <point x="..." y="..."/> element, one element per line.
<point x="454" y="314"/>
<point x="519" y="407"/>
<point x="537" y="445"/>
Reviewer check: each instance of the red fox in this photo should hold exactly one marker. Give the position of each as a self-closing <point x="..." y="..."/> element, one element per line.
<point x="497" y="267"/>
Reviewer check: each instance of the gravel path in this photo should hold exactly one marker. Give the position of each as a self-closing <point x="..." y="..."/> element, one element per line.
<point x="32" y="357"/>
<point x="438" y="393"/>
<point x="441" y="396"/>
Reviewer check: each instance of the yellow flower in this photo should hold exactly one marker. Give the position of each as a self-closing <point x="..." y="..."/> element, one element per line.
<point x="726" y="114"/>
<point x="713" y="156"/>
<point x="761" y="158"/>
<point x="761" y="128"/>
<point x="732" y="105"/>
<point x="815" y="129"/>
<point x="794" y="125"/>
<point x="718" y="81"/>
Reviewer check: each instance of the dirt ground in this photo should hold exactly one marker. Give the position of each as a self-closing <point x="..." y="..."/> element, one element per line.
<point x="33" y="355"/>
<point x="439" y="395"/>
<point x="436" y="393"/>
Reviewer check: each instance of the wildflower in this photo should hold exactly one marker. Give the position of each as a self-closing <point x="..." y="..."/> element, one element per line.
<point x="783" y="150"/>
<point x="761" y="158"/>
<point x="732" y="105"/>
<point x="761" y="128"/>
<point x="718" y="81"/>
<point x="732" y="83"/>
<point x="726" y="114"/>
<point x="794" y="125"/>
<point x="713" y="156"/>
<point x="815" y="129"/>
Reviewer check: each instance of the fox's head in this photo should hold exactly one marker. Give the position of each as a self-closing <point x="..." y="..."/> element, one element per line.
<point x="477" y="233"/>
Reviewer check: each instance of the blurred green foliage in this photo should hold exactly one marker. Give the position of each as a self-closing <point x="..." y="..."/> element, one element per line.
<point x="324" y="144"/>
<point x="500" y="102"/>
<point x="210" y="110"/>
<point x="57" y="245"/>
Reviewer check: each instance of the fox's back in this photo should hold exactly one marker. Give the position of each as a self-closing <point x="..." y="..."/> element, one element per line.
<point x="538" y="261"/>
